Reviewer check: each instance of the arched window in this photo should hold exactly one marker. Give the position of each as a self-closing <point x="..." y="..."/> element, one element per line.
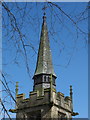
<point x="46" y="78"/>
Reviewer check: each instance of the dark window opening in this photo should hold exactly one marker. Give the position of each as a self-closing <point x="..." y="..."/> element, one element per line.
<point x="38" y="80"/>
<point x="46" y="78"/>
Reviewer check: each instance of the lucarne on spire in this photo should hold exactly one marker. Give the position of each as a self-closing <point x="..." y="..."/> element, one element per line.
<point x="44" y="60"/>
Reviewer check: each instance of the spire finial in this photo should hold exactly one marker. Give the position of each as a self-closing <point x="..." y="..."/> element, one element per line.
<point x="44" y="17"/>
<point x="44" y="9"/>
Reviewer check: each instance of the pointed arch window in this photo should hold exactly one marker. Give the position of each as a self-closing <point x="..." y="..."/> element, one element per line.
<point x="46" y="78"/>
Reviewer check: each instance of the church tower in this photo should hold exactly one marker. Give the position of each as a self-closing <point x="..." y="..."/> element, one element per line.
<point x="44" y="101"/>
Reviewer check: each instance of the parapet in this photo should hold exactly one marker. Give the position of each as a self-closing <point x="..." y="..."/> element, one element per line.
<point x="37" y="98"/>
<point x="20" y="96"/>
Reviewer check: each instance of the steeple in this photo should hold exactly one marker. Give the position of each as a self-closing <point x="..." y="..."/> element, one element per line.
<point x="44" y="61"/>
<point x="44" y="101"/>
<point x="44" y="64"/>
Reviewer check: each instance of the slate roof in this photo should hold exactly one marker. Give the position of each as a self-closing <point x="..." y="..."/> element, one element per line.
<point x="44" y="61"/>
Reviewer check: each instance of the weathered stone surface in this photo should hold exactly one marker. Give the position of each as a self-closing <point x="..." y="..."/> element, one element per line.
<point x="44" y="61"/>
<point x="46" y="108"/>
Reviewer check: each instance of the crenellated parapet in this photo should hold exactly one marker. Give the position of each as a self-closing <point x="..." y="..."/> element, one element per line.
<point x="37" y="99"/>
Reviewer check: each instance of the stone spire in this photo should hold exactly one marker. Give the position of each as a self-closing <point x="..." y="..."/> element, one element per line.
<point x="44" y="60"/>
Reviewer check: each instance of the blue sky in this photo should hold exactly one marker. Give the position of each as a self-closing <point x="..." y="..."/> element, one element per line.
<point x="67" y="43"/>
